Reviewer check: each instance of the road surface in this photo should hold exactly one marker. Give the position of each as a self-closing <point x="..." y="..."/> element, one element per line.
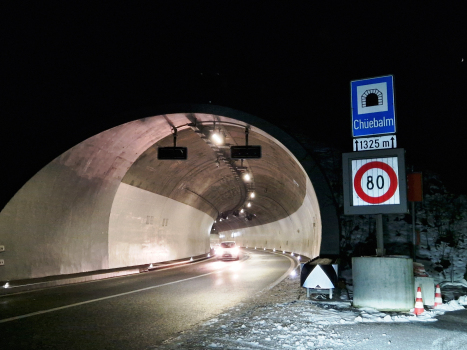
<point x="137" y="311"/>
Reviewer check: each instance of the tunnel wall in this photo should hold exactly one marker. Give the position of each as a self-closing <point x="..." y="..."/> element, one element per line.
<point x="49" y="228"/>
<point x="146" y="227"/>
<point x="299" y="233"/>
<point x="58" y="222"/>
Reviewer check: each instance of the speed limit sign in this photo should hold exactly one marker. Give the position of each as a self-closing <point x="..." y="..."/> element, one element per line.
<point x="374" y="182"/>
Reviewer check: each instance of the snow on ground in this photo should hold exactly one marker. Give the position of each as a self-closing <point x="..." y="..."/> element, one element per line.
<point x="284" y="318"/>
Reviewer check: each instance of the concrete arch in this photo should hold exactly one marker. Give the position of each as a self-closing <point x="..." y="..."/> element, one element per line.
<point x="107" y="203"/>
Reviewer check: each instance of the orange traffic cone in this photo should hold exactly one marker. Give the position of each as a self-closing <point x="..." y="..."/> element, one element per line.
<point x="438" y="299"/>
<point x="419" y="309"/>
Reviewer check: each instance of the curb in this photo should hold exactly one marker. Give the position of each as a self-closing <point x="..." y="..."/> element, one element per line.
<point x="19" y="286"/>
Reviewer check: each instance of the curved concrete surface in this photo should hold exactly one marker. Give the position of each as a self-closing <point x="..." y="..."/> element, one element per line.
<point x="109" y="202"/>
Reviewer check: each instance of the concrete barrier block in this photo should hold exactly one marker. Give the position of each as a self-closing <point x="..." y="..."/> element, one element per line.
<point x="427" y="284"/>
<point x="383" y="283"/>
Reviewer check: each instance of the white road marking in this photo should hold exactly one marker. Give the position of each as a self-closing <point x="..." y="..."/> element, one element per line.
<point x="99" y="299"/>
<point x="273" y="284"/>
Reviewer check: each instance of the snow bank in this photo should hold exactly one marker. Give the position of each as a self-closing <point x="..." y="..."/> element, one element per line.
<point x="285" y="318"/>
<point x="453" y="305"/>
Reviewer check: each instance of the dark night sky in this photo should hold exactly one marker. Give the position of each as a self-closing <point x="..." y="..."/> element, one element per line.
<point x="70" y="71"/>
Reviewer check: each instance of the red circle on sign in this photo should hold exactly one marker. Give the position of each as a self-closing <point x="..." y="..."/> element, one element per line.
<point x="357" y="183"/>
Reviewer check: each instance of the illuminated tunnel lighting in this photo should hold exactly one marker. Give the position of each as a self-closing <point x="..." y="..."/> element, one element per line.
<point x="247" y="177"/>
<point x="217" y="138"/>
<point x="248" y="205"/>
<point x="252" y="195"/>
<point x="242" y="210"/>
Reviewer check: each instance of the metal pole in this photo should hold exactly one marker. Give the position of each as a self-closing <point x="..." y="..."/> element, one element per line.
<point x="379" y="235"/>
<point x="414" y="238"/>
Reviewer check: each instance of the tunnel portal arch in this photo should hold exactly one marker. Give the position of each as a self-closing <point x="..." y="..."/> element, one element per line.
<point x="107" y="203"/>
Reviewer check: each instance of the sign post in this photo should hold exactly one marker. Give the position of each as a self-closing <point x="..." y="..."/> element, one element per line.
<point x="374" y="180"/>
<point x="375" y="183"/>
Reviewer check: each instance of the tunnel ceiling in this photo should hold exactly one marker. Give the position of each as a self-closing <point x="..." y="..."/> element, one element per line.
<point x="212" y="182"/>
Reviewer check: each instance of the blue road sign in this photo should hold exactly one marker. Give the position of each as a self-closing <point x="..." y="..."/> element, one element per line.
<point x="373" y="111"/>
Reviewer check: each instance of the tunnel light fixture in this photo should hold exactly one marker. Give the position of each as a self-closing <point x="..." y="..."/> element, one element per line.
<point x="299" y="257"/>
<point x="283" y="252"/>
<point x="242" y="210"/>
<point x="291" y="254"/>
<point x="252" y="195"/>
<point x="249" y="205"/>
<point x="274" y="250"/>
<point x="7" y="285"/>
<point x="191" y="259"/>
<point x="247" y="177"/>
<point x="293" y="273"/>
<point x="217" y="137"/>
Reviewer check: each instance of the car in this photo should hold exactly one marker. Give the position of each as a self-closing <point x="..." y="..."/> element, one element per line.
<point x="228" y="250"/>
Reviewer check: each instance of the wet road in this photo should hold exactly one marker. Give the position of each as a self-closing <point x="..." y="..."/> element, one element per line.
<point x="134" y="312"/>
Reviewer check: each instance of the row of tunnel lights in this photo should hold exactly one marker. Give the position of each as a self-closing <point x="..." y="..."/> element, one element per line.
<point x="241" y="211"/>
<point x="283" y="252"/>
<point x="294" y="272"/>
<point x="218" y="138"/>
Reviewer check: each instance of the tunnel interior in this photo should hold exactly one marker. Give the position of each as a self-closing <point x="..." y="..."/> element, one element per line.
<point x="109" y="202"/>
<point x="210" y="181"/>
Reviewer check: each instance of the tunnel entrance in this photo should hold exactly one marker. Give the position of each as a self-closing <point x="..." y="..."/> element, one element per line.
<point x="109" y="202"/>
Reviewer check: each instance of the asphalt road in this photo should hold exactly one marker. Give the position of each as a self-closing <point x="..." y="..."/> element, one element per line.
<point x="134" y="312"/>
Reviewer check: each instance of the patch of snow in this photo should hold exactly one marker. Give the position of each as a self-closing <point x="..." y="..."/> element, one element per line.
<point x="453" y="305"/>
<point x="285" y="318"/>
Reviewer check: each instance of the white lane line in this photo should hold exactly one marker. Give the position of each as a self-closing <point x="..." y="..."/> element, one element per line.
<point x="291" y="268"/>
<point x="99" y="299"/>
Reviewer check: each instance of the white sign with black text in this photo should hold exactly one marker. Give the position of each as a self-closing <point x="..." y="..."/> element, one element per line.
<point x="374" y="143"/>
<point x="375" y="181"/>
